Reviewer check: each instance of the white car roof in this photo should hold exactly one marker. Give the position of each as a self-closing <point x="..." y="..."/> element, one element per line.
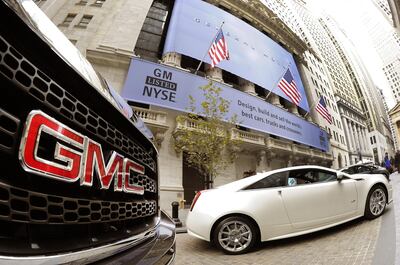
<point x="238" y="184"/>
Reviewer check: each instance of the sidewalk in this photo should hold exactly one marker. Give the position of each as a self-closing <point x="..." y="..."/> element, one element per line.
<point x="182" y="214"/>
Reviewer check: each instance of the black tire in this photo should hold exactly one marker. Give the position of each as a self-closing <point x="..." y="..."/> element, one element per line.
<point x="376" y="202"/>
<point x="240" y="239"/>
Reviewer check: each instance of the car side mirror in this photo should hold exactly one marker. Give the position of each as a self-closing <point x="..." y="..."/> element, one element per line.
<point x="339" y="176"/>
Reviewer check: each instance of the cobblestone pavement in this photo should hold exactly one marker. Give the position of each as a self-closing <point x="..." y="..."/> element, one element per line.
<point x="350" y="243"/>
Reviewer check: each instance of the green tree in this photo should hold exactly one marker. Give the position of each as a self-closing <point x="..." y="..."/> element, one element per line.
<point x="206" y="138"/>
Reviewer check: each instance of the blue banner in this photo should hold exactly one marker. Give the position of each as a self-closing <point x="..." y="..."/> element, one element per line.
<point x="252" y="55"/>
<point x="168" y="87"/>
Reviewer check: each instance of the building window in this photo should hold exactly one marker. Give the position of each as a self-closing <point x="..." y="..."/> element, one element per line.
<point x="84" y="21"/>
<point x="152" y="35"/>
<point x="99" y="3"/>
<point x="68" y="19"/>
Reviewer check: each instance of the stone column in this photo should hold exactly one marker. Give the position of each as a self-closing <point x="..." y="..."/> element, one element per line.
<point x="360" y="139"/>
<point x="397" y="133"/>
<point x="214" y="73"/>
<point x="292" y="108"/>
<point x="274" y="99"/>
<point x="172" y="59"/>
<point x="262" y="161"/>
<point x="356" y="143"/>
<point x="346" y="132"/>
<point x="353" y="143"/>
<point x="247" y="87"/>
<point x="289" y="161"/>
<point x="367" y="142"/>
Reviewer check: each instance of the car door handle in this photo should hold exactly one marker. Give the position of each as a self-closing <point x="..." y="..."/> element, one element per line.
<point x="279" y="192"/>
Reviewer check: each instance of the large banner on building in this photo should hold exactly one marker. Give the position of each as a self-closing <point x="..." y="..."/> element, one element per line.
<point x="168" y="87"/>
<point x="252" y="55"/>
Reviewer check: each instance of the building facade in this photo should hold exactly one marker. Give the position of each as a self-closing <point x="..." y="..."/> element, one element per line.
<point x="317" y="79"/>
<point x="379" y="23"/>
<point x="352" y="119"/>
<point x="117" y="35"/>
<point x="370" y="98"/>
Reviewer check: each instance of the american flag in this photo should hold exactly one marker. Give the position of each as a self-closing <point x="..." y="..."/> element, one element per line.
<point x="289" y="87"/>
<point x="321" y="108"/>
<point x="219" y="49"/>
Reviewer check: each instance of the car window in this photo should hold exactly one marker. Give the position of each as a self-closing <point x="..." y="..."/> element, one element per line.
<point x="324" y="176"/>
<point x="301" y="176"/>
<point x="349" y="170"/>
<point x="307" y="176"/>
<point x="271" y="181"/>
<point x="363" y="169"/>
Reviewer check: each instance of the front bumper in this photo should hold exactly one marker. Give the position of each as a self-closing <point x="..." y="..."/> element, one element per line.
<point x="156" y="246"/>
<point x="159" y="250"/>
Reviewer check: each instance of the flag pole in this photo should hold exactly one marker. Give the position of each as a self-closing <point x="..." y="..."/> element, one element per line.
<point x="201" y="62"/>
<point x="276" y="83"/>
<point x="312" y="106"/>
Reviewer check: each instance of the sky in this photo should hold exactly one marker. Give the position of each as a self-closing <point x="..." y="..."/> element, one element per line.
<point x="348" y="15"/>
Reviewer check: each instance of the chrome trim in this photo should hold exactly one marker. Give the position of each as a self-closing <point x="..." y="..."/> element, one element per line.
<point x="83" y="256"/>
<point x="83" y="157"/>
<point x="172" y="260"/>
<point x="57" y="135"/>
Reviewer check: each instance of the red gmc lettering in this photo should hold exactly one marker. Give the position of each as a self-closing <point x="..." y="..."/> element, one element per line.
<point x="95" y="160"/>
<point x="80" y="165"/>
<point x="130" y="165"/>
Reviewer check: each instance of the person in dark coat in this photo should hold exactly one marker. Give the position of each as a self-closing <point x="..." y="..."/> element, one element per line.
<point x="397" y="161"/>
<point x="388" y="165"/>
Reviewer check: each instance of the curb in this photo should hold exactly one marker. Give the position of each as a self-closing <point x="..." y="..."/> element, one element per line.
<point x="181" y="230"/>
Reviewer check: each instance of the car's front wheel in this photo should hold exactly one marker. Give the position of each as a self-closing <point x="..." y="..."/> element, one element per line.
<point x="376" y="202"/>
<point x="235" y="235"/>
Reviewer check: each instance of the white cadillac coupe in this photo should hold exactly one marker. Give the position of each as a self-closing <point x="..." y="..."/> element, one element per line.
<point x="284" y="203"/>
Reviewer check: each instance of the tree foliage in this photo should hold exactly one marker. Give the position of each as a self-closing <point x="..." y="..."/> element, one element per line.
<point x="206" y="138"/>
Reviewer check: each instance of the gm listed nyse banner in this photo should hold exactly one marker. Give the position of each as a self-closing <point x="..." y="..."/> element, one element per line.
<point x="253" y="55"/>
<point x="168" y="87"/>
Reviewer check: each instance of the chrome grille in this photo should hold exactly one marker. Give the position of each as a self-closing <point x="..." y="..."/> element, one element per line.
<point x="18" y="69"/>
<point x="22" y="205"/>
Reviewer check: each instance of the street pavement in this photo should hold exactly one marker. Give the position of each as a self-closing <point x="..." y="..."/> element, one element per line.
<point x="357" y="242"/>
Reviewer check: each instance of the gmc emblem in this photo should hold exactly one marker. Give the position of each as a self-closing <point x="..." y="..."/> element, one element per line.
<point x="75" y="165"/>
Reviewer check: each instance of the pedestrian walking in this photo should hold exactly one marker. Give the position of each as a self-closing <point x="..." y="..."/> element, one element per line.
<point x="388" y="165"/>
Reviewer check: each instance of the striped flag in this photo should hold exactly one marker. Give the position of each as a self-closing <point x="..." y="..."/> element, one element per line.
<point x="289" y="87"/>
<point x="219" y="49"/>
<point x="321" y="108"/>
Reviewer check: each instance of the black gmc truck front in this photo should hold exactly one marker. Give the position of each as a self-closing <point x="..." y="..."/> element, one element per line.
<point x="79" y="173"/>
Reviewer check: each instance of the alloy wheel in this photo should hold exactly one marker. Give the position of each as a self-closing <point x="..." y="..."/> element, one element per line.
<point x="377" y="202"/>
<point x="235" y="236"/>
